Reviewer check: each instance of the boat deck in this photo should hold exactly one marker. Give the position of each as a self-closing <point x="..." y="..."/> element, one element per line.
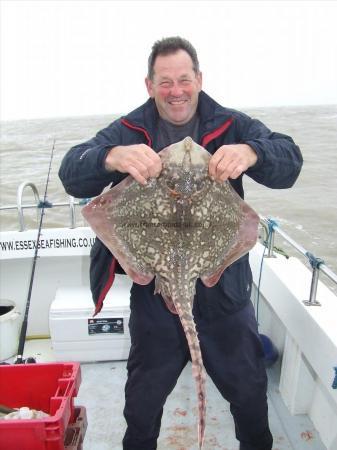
<point x="102" y="393"/>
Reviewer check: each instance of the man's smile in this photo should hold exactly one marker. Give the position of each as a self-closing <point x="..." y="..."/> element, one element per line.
<point x="177" y="102"/>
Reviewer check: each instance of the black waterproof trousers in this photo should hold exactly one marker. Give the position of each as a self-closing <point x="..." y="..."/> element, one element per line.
<point x="233" y="358"/>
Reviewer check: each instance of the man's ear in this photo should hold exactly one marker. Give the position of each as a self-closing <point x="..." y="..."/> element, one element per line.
<point x="149" y="88"/>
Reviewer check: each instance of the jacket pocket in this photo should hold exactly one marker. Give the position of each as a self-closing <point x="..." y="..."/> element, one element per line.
<point x="236" y="284"/>
<point x="230" y="294"/>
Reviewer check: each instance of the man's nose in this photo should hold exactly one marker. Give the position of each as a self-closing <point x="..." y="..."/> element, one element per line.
<point x="176" y="90"/>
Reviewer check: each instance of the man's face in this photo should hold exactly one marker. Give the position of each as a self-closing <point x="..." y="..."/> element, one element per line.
<point x="175" y="87"/>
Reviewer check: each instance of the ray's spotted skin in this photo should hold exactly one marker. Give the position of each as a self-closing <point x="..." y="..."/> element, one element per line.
<point x="177" y="228"/>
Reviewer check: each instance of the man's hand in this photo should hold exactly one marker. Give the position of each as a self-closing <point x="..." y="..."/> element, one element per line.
<point x="229" y="161"/>
<point x="139" y="160"/>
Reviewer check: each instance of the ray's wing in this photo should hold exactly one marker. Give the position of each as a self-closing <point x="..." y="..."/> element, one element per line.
<point x="109" y="213"/>
<point x="138" y="226"/>
<point x="233" y="229"/>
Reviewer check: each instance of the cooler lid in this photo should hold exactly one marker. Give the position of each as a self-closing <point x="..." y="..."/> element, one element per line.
<point x="78" y="298"/>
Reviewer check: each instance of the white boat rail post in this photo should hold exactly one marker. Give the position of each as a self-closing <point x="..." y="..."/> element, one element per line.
<point x="19" y="195"/>
<point x="315" y="264"/>
<point x="72" y="211"/>
<point x="72" y="203"/>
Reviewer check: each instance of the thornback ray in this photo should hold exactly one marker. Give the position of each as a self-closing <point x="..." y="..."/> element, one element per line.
<point x="179" y="227"/>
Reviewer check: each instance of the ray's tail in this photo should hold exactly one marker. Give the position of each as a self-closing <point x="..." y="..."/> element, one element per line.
<point x="198" y="371"/>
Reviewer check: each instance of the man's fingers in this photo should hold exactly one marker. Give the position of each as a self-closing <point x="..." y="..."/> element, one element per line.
<point x="142" y="156"/>
<point x="213" y="163"/>
<point x="237" y="171"/>
<point x="230" y="161"/>
<point x="138" y="160"/>
<point x="221" y="165"/>
<point x="232" y="170"/>
<point x="137" y="175"/>
<point x="142" y="163"/>
<point x="153" y="162"/>
<point x="141" y="167"/>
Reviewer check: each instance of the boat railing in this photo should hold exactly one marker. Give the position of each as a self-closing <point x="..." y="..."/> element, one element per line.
<point x="39" y="204"/>
<point x="269" y="226"/>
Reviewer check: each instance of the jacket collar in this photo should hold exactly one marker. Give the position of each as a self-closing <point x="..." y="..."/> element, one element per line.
<point x="212" y="116"/>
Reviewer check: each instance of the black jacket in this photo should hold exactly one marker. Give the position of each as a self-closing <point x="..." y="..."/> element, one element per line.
<point x="83" y="174"/>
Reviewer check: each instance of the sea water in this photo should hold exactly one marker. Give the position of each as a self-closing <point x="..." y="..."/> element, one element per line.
<point x="307" y="211"/>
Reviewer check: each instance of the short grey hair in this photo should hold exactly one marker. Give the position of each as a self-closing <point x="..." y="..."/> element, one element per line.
<point x="168" y="46"/>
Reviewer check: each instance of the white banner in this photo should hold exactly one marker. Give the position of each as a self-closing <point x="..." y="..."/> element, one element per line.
<point x="52" y="242"/>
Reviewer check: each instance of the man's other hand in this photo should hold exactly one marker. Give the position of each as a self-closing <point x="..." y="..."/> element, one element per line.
<point x="230" y="161"/>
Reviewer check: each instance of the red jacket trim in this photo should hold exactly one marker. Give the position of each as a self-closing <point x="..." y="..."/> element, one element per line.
<point x="134" y="127"/>
<point x="216" y="133"/>
<point x="107" y="286"/>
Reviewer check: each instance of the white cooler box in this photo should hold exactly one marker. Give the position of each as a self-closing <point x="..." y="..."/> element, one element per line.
<point x="78" y="336"/>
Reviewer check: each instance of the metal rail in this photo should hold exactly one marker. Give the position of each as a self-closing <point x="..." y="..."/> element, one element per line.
<point x="39" y="204"/>
<point x="317" y="264"/>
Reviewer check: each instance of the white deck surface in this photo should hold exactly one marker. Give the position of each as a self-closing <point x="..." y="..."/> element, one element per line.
<point x="102" y="393"/>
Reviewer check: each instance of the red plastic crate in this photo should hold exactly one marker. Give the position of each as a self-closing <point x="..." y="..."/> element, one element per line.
<point x="74" y="435"/>
<point x="47" y="387"/>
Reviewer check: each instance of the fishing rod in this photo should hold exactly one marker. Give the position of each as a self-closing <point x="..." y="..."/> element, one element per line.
<point x="22" y="339"/>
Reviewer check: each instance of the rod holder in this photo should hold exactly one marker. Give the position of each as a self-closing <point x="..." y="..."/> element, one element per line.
<point x="315" y="264"/>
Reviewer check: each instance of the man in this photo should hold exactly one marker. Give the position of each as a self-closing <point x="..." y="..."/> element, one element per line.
<point x="227" y="329"/>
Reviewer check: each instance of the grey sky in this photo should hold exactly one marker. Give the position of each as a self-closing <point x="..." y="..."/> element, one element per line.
<point x="68" y="58"/>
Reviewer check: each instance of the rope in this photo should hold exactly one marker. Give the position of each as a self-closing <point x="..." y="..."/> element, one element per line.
<point x="271" y="225"/>
<point x="44" y="204"/>
<point x="84" y="201"/>
<point x="314" y="261"/>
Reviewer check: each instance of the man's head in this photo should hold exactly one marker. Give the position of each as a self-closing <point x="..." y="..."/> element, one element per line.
<point x="174" y="79"/>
